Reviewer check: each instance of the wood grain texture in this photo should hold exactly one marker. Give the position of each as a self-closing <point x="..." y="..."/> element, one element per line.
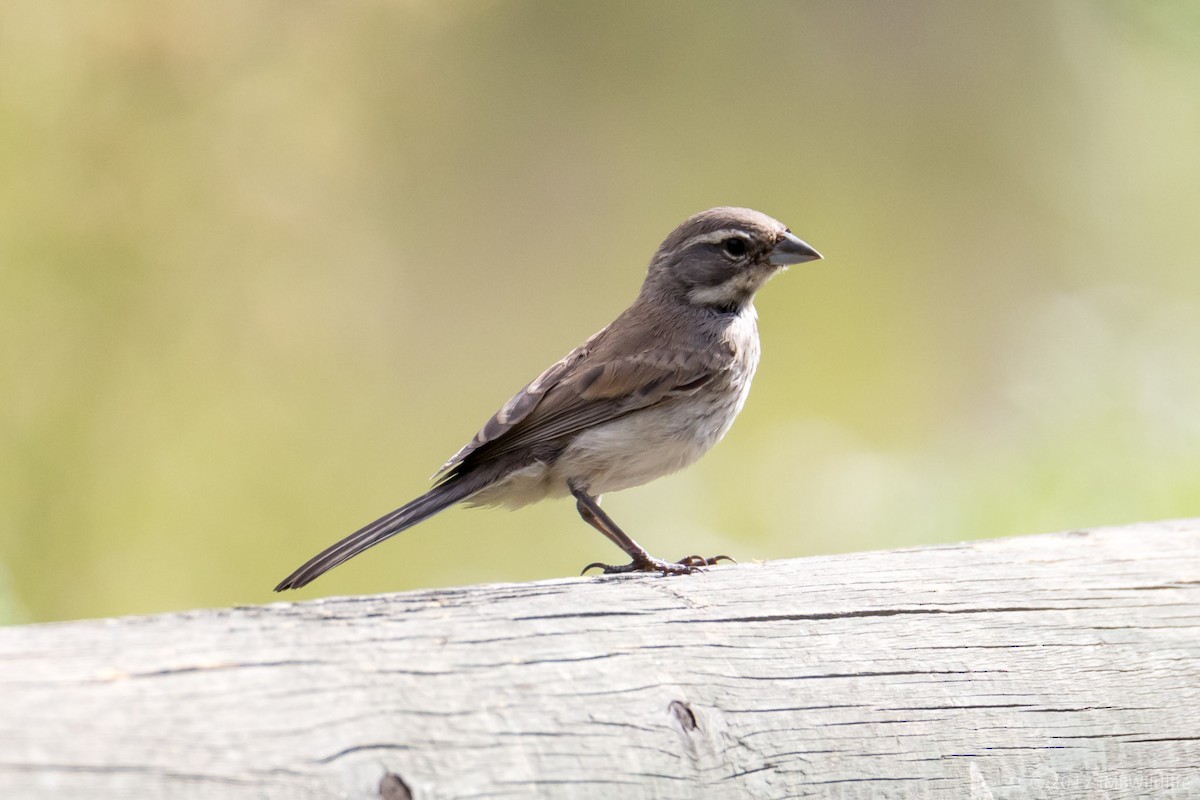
<point x="1057" y="666"/>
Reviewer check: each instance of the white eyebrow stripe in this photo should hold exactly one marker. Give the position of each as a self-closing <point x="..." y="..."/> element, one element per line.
<point x="718" y="236"/>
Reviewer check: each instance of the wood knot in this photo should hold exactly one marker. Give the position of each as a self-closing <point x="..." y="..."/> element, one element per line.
<point x="393" y="787"/>
<point x="683" y="715"/>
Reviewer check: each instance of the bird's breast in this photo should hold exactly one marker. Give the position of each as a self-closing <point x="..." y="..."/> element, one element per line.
<point x="652" y="442"/>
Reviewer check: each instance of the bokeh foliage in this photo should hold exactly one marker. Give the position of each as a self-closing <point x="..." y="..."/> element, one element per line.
<point x="264" y="266"/>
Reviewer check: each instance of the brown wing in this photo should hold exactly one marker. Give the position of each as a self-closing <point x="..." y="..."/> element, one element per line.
<point x="593" y="384"/>
<point x="519" y="406"/>
<point x="598" y="392"/>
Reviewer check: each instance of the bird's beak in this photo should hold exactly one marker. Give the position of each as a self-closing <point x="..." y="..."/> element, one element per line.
<point x="792" y="250"/>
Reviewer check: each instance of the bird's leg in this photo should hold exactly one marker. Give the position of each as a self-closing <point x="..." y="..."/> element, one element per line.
<point x="642" y="561"/>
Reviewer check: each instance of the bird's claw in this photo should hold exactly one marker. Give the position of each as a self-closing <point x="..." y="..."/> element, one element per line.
<point x="685" y="566"/>
<point x="701" y="561"/>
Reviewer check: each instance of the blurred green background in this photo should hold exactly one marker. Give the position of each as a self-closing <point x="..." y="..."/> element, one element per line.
<point x="264" y="266"/>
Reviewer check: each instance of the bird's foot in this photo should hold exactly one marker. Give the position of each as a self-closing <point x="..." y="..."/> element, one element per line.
<point x="684" y="566"/>
<point x="701" y="561"/>
<point x="651" y="564"/>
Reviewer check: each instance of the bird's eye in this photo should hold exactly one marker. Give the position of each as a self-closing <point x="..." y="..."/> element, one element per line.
<point x="735" y="246"/>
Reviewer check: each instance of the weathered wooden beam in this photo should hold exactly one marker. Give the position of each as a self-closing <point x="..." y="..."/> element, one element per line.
<point x="1058" y="666"/>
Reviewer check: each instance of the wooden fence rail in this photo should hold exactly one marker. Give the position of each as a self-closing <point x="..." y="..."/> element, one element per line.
<point x="1055" y="666"/>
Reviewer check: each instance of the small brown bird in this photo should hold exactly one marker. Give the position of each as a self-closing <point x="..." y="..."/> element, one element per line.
<point x="644" y="397"/>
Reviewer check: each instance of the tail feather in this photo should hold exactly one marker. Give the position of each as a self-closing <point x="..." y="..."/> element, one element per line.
<point x="436" y="499"/>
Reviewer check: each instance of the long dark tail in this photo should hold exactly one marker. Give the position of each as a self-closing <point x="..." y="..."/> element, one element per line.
<point x="436" y="499"/>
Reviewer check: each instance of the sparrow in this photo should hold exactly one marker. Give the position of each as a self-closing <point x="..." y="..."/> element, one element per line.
<point x="642" y="398"/>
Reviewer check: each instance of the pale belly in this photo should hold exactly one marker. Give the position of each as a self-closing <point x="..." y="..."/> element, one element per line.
<point x="626" y="452"/>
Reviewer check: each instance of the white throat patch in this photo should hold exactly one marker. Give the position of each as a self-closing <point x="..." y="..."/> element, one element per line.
<point x="738" y="288"/>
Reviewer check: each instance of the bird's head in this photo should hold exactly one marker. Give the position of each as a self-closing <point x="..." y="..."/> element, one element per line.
<point x="719" y="258"/>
